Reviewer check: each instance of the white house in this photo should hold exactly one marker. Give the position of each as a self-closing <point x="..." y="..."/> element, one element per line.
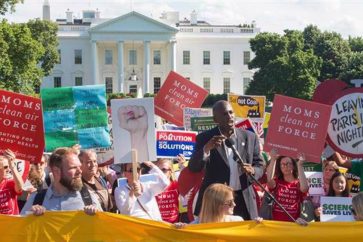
<point x="135" y="52"/>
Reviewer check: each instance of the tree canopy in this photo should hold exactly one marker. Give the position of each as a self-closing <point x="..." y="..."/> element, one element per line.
<point x="27" y="53"/>
<point x="8" y="5"/>
<point x="284" y="67"/>
<point x="293" y="63"/>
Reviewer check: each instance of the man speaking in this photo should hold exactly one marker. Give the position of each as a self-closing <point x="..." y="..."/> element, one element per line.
<point x="220" y="164"/>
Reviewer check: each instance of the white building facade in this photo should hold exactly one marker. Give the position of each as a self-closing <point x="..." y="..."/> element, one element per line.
<point x="134" y="53"/>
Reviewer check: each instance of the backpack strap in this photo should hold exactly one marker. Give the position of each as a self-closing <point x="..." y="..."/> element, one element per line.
<point x="86" y="196"/>
<point x="39" y="197"/>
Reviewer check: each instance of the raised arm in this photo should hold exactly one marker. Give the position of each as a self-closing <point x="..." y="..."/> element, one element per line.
<point x="304" y="185"/>
<point x="270" y="172"/>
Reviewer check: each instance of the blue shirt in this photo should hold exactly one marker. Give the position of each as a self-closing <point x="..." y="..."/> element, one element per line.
<point x="67" y="202"/>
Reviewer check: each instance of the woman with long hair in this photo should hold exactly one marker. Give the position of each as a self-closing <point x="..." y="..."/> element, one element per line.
<point x="217" y="205"/>
<point x="287" y="181"/>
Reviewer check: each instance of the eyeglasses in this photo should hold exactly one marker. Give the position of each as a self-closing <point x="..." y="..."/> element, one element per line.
<point x="165" y="170"/>
<point x="229" y="203"/>
<point x="353" y="211"/>
<point x="131" y="170"/>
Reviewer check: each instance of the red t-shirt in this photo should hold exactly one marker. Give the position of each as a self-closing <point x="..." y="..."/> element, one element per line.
<point x="168" y="202"/>
<point x="288" y="194"/>
<point x="8" y="197"/>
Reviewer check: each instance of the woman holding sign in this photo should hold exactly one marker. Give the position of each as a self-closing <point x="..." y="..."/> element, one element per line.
<point x="287" y="181"/>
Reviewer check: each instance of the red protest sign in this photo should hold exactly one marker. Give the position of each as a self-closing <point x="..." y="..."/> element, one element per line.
<point x="176" y="94"/>
<point x="298" y="126"/>
<point x="345" y="129"/>
<point x="21" y="125"/>
<point x="246" y="125"/>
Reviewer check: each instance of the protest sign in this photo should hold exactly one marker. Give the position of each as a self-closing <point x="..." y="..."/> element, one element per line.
<point x="170" y="144"/>
<point x="176" y="94"/>
<point x="21" y="126"/>
<point x="315" y="180"/>
<point x="246" y="125"/>
<point x="133" y="128"/>
<point x="353" y="182"/>
<point x="201" y="124"/>
<point x="297" y="126"/>
<point x="75" y="115"/>
<point x="168" y="203"/>
<point x="188" y="113"/>
<point x="336" y="209"/>
<point x="345" y="130"/>
<point x="252" y="107"/>
<point x="143" y="178"/>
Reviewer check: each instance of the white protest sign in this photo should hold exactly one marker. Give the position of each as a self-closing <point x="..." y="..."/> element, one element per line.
<point x="133" y="128"/>
<point x="143" y="178"/>
<point x="316" y="182"/>
<point x="336" y="209"/>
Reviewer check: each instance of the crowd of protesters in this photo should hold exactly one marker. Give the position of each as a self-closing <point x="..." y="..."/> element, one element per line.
<point x="72" y="179"/>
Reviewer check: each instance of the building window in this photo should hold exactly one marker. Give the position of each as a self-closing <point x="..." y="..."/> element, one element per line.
<point x="59" y="56"/>
<point x="133" y="89"/>
<point x="246" y="83"/>
<point x="78" y="80"/>
<point x="206" y="83"/>
<point x="186" y="57"/>
<point x="78" y="57"/>
<point x="246" y="57"/>
<point x="109" y="84"/>
<point x="132" y="57"/>
<point x="108" y="57"/>
<point x="206" y="57"/>
<point x="157" y="57"/>
<point x="226" y="57"/>
<point x="157" y="84"/>
<point x="226" y="85"/>
<point x="57" y="81"/>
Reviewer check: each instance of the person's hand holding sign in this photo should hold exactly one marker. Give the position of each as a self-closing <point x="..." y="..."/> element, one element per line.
<point x="134" y="119"/>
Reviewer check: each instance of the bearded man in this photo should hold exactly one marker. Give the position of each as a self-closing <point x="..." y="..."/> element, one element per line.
<point x="66" y="191"/>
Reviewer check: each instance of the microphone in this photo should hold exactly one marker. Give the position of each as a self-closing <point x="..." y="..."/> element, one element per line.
<point x="230" y="144"/>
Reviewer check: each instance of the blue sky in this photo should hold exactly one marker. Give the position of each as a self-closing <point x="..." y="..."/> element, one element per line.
<point x="342" y="16"/>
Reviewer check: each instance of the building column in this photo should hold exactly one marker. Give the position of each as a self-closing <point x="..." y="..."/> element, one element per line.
<point x="146" y="67"/>
<point x="95" y="62"/>
<point x="120" y="66"/>
<point x="173" y="55"/>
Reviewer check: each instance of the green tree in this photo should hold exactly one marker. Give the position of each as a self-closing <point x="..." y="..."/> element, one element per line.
<point x="45" y="32"/>
<point x="8" y="5"/>
<point x="356" y="44"/>
<point x="354" y="69"/>
<point x="27" y="53"/>
<point x="331" y="48"/>
<point x="284" y="67"/>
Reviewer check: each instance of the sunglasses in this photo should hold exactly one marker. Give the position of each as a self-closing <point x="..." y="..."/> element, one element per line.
<point x="354" y="212"/>
<point x="131" y="170"/>
<point x="229" y="203"/>
<point x="165" y="170"/>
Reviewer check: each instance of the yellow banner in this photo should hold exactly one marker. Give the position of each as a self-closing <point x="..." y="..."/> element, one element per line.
<point x="252" y="107"/>
<point x="77" y="226"/>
